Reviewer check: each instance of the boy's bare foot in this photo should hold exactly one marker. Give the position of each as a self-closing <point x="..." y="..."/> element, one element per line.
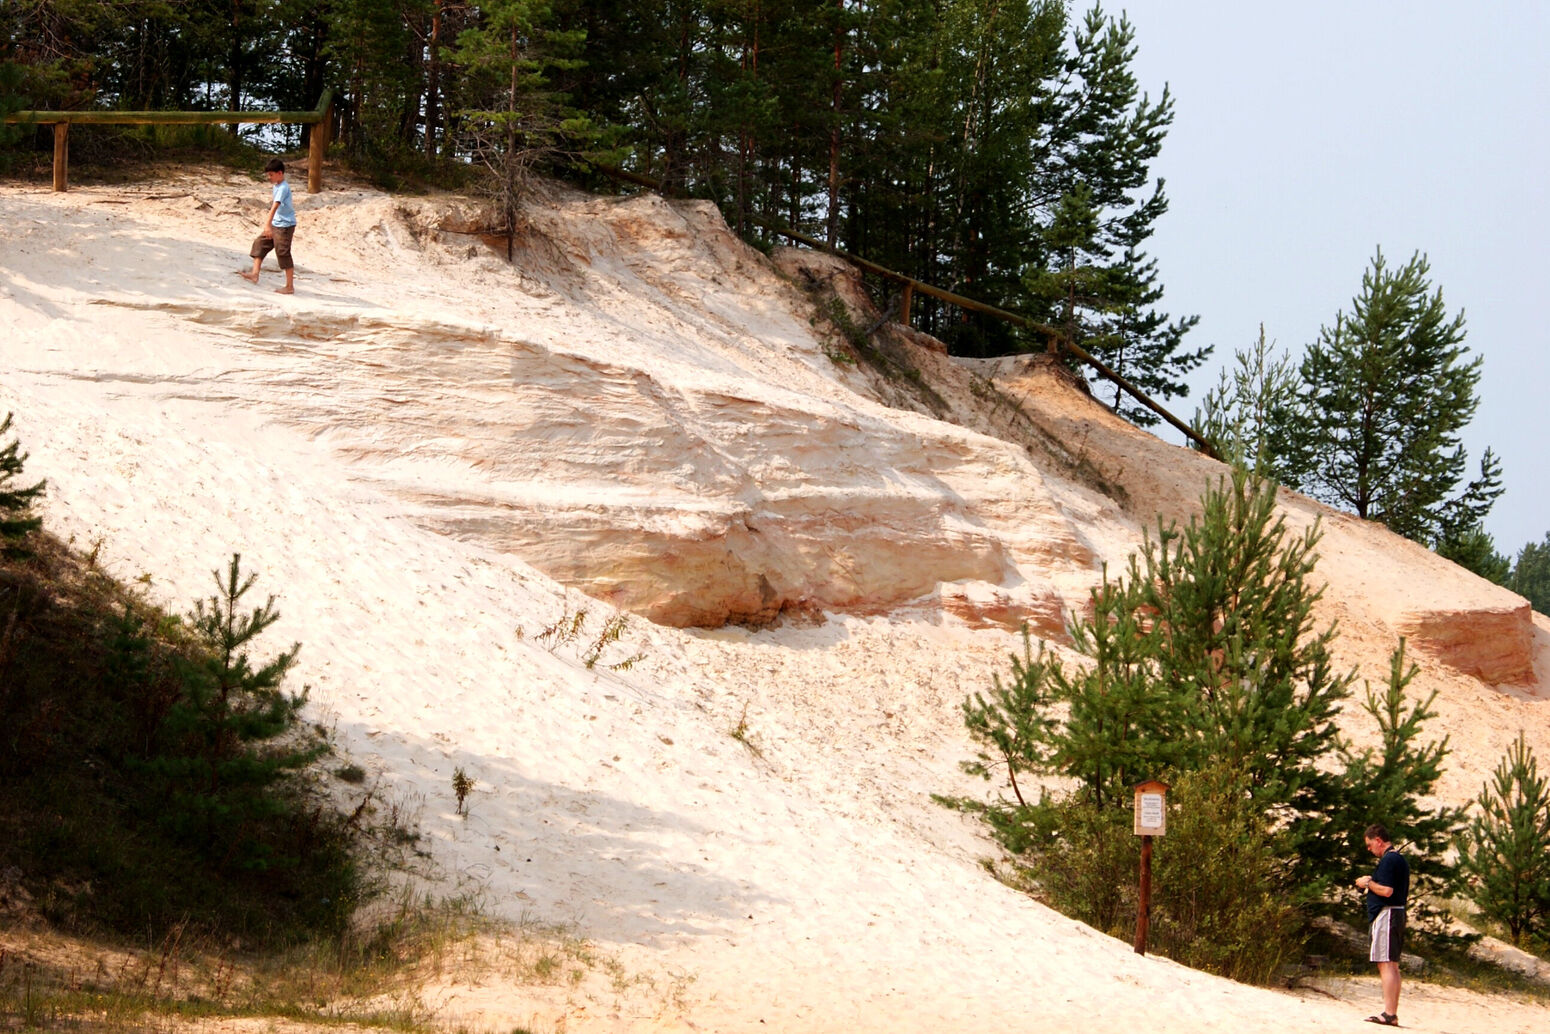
<point x="251" y="278"/>
<point x="284" y="290"/>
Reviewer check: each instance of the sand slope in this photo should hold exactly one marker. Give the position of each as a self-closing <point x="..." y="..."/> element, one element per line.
<point x="424" y="447"/>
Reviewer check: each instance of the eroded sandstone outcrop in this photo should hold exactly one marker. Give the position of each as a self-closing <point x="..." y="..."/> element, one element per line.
<point x="1494" y="644"/>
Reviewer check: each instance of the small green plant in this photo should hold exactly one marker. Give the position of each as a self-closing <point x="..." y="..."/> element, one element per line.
<point x="741" y="734"/>
<point x="16" y="520"/>
<point x="563" y="630"/>
<point x="462" y="786"/>
<point x="352" y="773"/>
<point x="1506" y="849"/>
<point x="838" y="356"/>
<point x="569" y="629"/>
<point x="613" y="630"/>
<point x="839" y="318"/>
<point x="893" y="364"/>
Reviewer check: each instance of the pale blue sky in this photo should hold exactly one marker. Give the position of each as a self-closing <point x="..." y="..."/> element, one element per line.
<point x="1307" y="134"/>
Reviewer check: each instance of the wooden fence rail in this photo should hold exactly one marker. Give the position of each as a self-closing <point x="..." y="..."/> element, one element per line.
<point x="320" y="117"/>
<point x="1057" y="339"/>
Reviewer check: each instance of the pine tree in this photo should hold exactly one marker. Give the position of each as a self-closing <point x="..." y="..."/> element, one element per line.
<point x="1101" y="135"/>
<point x="1205" y="650"/>
<point x="1243" y="416"/>
<point x="1387" y="391"/>
<point x="1122" y="724"/>
<point x="515" y="120"/>
<point x="16" y="502"/>
<point x="1011" y="725"/>
<point x="1077" y="282"/>
<point x="1474" y="549"/>
<point x="1389" y="787"/>
<point x="365" y="44"/>
<point x="1531" y="574"/>
<point x="1204" y="665"/>
<point x="241" y="703"/>
<point x="11" y="97"/>
<point x="998" y="62"/>
<point x="1507" y="849"/>
<point x="211" y="754"/>
<point x="1233" y="596"/>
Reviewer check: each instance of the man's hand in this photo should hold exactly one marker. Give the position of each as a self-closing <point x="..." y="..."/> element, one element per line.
<point x="1362" y="882"/>
<point x="267" y="231"/>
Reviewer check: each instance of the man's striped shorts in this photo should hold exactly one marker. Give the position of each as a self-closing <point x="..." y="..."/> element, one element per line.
<point x="1388" y="934"/>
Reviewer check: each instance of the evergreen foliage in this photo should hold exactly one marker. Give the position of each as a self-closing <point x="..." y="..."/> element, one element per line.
<point x="210" y="757"/>
<point x="1474" y="549"/>
<point x="150" y="765"/>
<point x="1386" y="392"/>
<point x="1204" y="650"/>
<point x="511" y="119"/>
<point x="1077" y="856"/>
<point x="1531" y="574"/>
<point x="1223" y="890"/>
<point x="1011" y="727"/>
<point x="16" y="519"/>
<point x="1207" y="651"/>
<point x="1204" y="667"/>
<point x="11" y="99"/>
<point x="1095" y="208"/>
<point x="1390" y="786"/>
<point x="1245" y="416"/>
<point x="1506" y="852"/>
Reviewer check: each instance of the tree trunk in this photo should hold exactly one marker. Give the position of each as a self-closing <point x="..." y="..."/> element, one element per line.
<point x="745" y="144"/>
<point x="234" y="63"/>
<point x="409" y="116"/>
<point x="433" y="82"/>
<point x="312" y="72"/>
<point x="511" y="153"/>
<point x="834" y="126"/>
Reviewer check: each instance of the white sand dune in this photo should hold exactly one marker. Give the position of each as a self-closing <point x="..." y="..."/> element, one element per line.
<point x="425" y="451"/>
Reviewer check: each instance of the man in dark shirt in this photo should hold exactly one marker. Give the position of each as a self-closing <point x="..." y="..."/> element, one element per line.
<point x="1387" y="889"/>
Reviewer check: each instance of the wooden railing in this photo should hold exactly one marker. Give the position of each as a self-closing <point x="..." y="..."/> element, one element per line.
<point x="1058" y="340"/>
<point x="319" y="118"/>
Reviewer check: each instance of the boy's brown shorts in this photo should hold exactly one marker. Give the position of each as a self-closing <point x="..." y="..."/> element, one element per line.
<point x="280" y="243"/>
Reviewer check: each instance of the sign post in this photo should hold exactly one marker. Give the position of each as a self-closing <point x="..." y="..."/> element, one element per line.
<point x="1151" y="821"/>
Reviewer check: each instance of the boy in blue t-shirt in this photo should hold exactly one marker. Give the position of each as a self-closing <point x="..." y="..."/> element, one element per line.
<point x="279" y="229"/>
<point x="1388" y="890"/>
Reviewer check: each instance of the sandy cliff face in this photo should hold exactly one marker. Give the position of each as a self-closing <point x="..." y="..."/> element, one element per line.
<point x="693" y="444"/>
<point x="427" y="451"/>
<point x="1466" y="623"/>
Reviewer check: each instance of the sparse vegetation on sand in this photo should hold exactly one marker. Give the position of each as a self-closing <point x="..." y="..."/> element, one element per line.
<point x="169" y="852"/>
<point x="380" y="973"/>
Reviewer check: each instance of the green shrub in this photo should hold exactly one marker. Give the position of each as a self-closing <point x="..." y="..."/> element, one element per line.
<point x="1222" y="897"/>
<point x="1082" y="858"/>
<point x="1221" y="892"/>
<point x="148" y="772"/>
<point x="1203" y="664"/>
<point x="16" y="519"/>
<point x="1506" y="851"/>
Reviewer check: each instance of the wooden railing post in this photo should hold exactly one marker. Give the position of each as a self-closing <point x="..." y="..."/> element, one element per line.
<point x="317" y="143"/>
<point x="904" y="303"/>
<point x="61" y="157"/>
